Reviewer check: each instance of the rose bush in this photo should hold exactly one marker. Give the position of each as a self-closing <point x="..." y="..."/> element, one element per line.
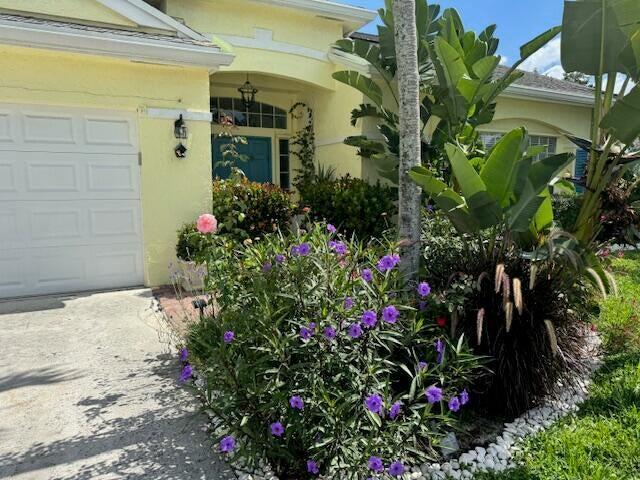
<point x="318" y="363"/>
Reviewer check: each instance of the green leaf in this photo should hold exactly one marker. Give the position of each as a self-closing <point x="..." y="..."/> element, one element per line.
<point x="451" y="61"/>
<point x="623" y="120"/>
<point x="368" y="51"/>
<point x="543" y="218"/>
<point x="482" y="206"/>
<point x="590" y="24"/>
<point x="499" y="171"/>
<point x="363" y="84"/>
<point x="452" y="204"/>
<point x="537" y="43"/>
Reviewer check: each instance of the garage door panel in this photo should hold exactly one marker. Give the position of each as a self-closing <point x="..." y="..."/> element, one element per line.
<point x="61" y="176"/>
<point x="48" y="129"/>
<point x="70" y="215"/>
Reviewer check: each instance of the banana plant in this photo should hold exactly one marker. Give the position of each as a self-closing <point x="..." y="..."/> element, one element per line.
<point x="459" y="84"/>
<point x="510" y="192"/>
<point x="602" y="38"/>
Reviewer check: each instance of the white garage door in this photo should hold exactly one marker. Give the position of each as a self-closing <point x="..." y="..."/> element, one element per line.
<point x="69" y="200"/>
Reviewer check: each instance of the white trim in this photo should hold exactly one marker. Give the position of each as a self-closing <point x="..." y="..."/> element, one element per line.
<point x="144" y="15"/>
<point x="174" y="114"/>
<point x="355" y="17"/>
<point x="543" y="94"/>
<point x="138" y="48"/>
<point x="263" y="40"/>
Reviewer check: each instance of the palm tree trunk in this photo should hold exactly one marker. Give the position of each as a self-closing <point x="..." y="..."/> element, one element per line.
<point x="404" y="14"/>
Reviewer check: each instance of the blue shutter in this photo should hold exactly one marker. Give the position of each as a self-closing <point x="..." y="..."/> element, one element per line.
<point x="582" y="158"/>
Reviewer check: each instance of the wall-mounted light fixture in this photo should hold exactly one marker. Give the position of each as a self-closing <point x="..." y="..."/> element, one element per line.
<point x="180" y="128"/>
<point x="248" y="94"/>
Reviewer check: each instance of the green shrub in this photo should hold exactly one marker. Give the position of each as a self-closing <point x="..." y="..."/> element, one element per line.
<point x="287" y="302"/>
<point x="192" y="245"/>
<point x="351" y="204"/>
<point x="249" y="210"/>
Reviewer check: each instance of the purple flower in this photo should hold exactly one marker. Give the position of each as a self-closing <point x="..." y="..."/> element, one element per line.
<point x="434" y="394"/>
<point x="330" y="332"/>
<point x="454" y="404"/>
<point x="312" y="327"/>
<point x="394" y="411"/>
<point x="306" y="333"/>
<point x="369" y="318"/>
<point x="280" y="258"/>
<point x="430" y="208"/>
<point x="422" y="305"/>
<point x="422" y="365"/>
<point x="266" y="267"/>
<point x="424" y="289"/>
<point x="390" y="314"/>
<point x="388" y="262"/>
<point x="331" y="228"/>
<point x="304" y="249"/>
<point x="375" y="464"/>
<point x="227" y="444"/>
<point x="348" y="303"/>
<point x="396" y="469"/>
<point x="228" y="336"/>
<point x="312" y="467"/>
<point x="366" y="275"/>
<point x="340" y="248"/>
<point x="296" y="402"/>
<point x="374" y="403"/>
<point x="440" y="349"/>
<point x="277" y="429"/>
<point x="355" y="330"/>
<point x="464" y="397"/>
<point x="295" y="251"/>
<point x="184" y="354"/>
<point x="186" y="373"/>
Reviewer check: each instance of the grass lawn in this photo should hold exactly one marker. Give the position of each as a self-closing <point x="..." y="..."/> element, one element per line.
<point x="602" y="440"/>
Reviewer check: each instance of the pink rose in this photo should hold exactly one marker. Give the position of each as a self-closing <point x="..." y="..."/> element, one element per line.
<point x="207" y="223"/>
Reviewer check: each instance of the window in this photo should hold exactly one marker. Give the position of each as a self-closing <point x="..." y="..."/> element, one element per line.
<point x="260" y="115"/>
<point x="283" y="157"/>
<point x="489" y="139"/>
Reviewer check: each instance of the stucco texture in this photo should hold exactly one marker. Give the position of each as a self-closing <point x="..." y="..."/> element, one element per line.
<point x="174" y="191"/>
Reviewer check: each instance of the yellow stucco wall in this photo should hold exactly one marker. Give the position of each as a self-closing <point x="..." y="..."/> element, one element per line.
<point x="173" y="191"/>
<point x="542" y="118"/>
<point x="69" y="9"/>
<point x="234" y="17"/>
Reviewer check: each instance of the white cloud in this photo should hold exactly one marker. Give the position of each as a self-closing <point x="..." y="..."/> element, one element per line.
<point x="504" y="60"/>
<point x="545" y="58"/>
<point x="556" y="72"/>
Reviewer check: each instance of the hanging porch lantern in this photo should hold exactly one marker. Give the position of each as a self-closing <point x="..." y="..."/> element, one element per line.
<point x="248" y="93"/>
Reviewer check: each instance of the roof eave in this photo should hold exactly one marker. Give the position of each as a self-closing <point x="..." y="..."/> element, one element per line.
<point x="547" y="95"/>
<point x="353" y="18"/>
<point x="150" y="50"/>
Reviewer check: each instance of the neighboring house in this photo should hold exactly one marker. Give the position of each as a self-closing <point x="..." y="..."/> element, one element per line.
<point x="91" y="189"/>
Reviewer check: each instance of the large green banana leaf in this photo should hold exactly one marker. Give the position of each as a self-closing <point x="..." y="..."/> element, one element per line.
<point x="623" y="120"/>
<point x="595" y="30"/>
<point x="499" y="173"/>
<point x="482" y="206"/>
<point x="363" y="84"/>
<point x="446" y="199"/>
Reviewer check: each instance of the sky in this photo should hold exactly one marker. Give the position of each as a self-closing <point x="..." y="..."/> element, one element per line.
<point x="518" y="22"/>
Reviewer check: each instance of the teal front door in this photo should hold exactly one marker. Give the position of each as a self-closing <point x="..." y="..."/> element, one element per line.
<point x="257" y="153"/>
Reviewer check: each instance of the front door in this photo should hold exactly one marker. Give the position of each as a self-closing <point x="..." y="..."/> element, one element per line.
<point x="257" y="155"/>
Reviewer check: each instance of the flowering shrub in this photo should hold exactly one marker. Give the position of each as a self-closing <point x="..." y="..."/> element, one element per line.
<point x="318" y="363"/>
<point x="249" y="210"/>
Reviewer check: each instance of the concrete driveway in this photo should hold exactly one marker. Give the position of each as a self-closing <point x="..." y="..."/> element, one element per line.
<point x="88" y="391"/>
